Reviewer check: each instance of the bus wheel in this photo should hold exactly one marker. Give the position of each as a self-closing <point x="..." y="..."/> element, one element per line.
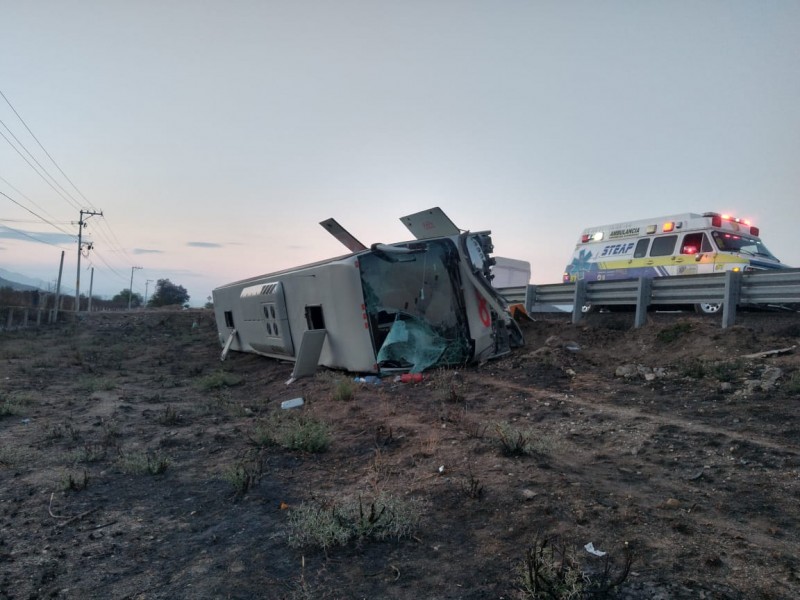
<point x="706" y="308"/>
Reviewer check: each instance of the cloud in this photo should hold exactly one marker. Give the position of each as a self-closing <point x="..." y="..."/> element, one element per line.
<point x="203" y="245"/>
<point x="147" y="251"/>
<point x="38" y="236"/>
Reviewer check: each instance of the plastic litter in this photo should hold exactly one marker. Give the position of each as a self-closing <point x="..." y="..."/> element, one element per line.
<point x="293" y="403"/>
<point x="371" y="379"/>
<point x="592" y="550"/>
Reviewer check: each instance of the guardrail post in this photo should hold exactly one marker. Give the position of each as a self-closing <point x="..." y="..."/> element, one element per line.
<point x="733" y="286"/>
<point x="530" y="298"/>
<point x="10" y="318"/>
<point x="579" y="301"/>
<point x="642" y="301"/>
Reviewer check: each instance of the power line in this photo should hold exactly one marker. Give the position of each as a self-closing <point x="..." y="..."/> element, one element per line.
<point x="68" y="196"/>
<point x="41" y="218"/>
<point x="8" y="183"/>
<point x="43" y="148"/>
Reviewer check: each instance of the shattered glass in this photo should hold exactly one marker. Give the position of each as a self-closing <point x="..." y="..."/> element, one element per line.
<point x="414" y="304"/>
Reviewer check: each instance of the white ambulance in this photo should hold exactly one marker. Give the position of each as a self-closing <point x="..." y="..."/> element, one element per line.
<point x="683" y="244"/>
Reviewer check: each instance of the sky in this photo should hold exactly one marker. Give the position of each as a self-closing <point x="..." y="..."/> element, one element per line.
<point x="215" y="135"/>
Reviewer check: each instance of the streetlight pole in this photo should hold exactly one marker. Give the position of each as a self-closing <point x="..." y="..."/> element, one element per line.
<point x="130" y="289"/>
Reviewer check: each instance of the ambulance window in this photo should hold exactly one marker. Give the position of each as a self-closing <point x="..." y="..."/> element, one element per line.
<point x="692" y="243"/>
<point x="641" y="248"/>
<point x="663" y="246"/>
<point x="707" y="244"/>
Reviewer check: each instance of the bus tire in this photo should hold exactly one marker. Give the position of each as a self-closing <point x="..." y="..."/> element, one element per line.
<point x="708" y="308"/>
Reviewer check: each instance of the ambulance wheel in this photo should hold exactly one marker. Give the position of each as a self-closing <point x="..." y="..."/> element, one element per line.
<point x="706" y="308"/>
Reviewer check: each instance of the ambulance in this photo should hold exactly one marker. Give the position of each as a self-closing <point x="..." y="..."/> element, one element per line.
<point x="683" y="244"/>
<point x="405" y="306"/>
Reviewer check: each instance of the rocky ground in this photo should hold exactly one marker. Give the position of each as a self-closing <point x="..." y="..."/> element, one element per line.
<point x="133" y="464"/>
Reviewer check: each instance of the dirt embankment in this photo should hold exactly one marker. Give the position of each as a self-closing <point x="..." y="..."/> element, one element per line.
<point x="133" y="464"/>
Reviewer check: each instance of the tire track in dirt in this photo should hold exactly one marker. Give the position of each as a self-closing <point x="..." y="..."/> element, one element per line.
<point x="631" y="413"/>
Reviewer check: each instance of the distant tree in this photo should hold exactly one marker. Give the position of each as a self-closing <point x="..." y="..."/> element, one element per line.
<point x="168" y="293"/>
<point x="121" y="299"/>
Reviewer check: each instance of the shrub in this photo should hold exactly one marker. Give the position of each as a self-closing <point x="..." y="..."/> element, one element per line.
<point x="550" y="571"/>
<point x="524" y="442"/>
<point x="219" y="379"/>
<point x="380" y="518"/>
<point x="75" y="483"/>
<point x="293" y="433"/>
<point x="793" y="384"/>
<point x="344" y="390"/>
<point x="143" y="463"/>
<point x="243" y="475"/>
<point x="305" y="434"/>
<point x="673" y="332"/>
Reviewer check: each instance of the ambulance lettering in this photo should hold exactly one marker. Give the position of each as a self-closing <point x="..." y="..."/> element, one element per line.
<point x="615" y="249"/>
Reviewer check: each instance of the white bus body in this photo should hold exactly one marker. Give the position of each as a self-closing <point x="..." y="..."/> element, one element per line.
<point x="404" y="306"/>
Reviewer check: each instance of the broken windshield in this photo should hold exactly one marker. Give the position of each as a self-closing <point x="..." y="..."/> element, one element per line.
<point x="730" y="242"/>
<point x="417" y="299"/>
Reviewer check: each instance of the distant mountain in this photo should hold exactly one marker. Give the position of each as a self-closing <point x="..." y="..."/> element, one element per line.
<point x="20" y="287"/>
<point x="18" y="281"/>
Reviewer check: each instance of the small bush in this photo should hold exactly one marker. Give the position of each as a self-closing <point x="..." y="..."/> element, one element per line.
<point x="550" y="571"/>
<point x="10" y="407"/>
<point x="89" y="453"/>
<point x="381" y="518"/>
<point x="219" y="379"/>
<point x="143" y="463"/>
<point x="96" y="384"/>
<point x="169" y="417"/>
<point x="726" y="371"/>
<point x="524" y="442"/>
<point x="293" y="433"/>
<point x="243" y="475"/>
<point x="673" y="332"/>
<point x="345" y="390"/>
<point x="793" y="384"/>
<point x="693" y="370"/>
<point x="75" y="483"/>
<point x="306" y="434"/>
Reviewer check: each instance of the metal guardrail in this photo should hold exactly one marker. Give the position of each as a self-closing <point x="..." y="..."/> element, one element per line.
<point x="730" y="289"/>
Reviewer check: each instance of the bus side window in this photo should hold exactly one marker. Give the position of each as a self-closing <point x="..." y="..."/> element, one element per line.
<point x="663" y="246"/>
<point x="641" y="248"/>
<point x="706" y="244"/>
<point x="692" y="243"/>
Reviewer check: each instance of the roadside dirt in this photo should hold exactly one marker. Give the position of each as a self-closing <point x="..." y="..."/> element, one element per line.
<point x="665" y="442"/>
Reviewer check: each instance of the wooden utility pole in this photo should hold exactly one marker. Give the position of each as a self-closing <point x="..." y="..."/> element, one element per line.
<point x="81" y="225"/>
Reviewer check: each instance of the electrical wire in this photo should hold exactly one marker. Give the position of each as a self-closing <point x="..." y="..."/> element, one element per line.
<point x="44" y="150"/>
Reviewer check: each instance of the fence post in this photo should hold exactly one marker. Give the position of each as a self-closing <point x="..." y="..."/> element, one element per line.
<point x="579" y="301"/>
<point x="733" y="286"/>
<point x="24" y="318"/>
<point x="642" y="301"/>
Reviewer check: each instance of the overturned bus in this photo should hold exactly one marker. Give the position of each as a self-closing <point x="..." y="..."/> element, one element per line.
<point x="406" y="306"/>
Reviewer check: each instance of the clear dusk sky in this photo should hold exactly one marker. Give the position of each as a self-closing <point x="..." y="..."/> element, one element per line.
<point x="215" y="135"/>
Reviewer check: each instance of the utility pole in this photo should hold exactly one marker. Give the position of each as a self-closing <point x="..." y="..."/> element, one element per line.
<point x="146" y="285"/>
<point x="54" y="318"/>
<point x="81" y="225"/>
<point x="91" y="285"/>
<point x="130" y="290"/>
